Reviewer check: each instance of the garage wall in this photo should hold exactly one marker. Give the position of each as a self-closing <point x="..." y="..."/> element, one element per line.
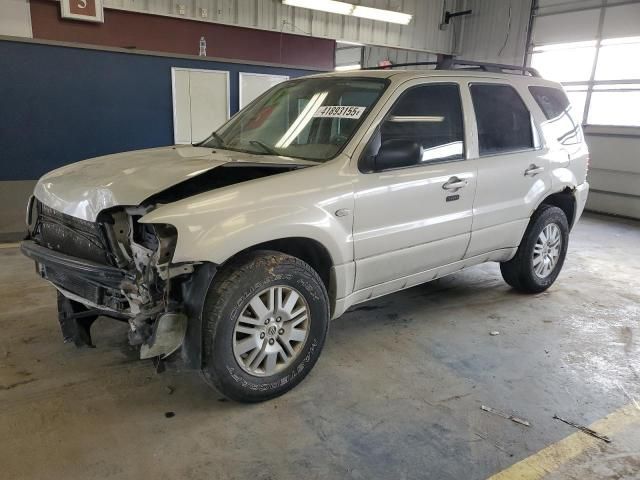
<point x="421" y="34"/>
<point x="373" y="55"/>
<point x="70" y="103"/>
<point x="615" y="150"/>
<point x="136" y="31"/>
<point x="615" y="170"/>
<point x="495" y="32"/>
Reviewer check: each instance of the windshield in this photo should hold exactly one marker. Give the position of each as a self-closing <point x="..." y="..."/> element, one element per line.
<point x="308" y="118"/>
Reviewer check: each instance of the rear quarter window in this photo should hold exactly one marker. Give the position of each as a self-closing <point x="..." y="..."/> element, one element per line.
<point x="561" y="124"/>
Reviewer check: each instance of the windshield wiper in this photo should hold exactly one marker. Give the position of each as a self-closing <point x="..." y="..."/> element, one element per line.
<point x="214" y="136"/>
<point x="218" y="139"/>
<point x="265" y="147"/>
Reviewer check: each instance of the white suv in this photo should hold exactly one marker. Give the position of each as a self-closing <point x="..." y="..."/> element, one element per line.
<point x="233" y="255"/>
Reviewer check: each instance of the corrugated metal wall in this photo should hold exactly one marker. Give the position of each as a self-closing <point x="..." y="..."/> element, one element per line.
<point x="491" y="33"/>
<point x="422" y="34"/>
<point x="373" y="55"/>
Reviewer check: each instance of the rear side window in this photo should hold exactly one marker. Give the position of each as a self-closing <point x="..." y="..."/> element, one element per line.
<point x="504" y="122"/>
<point x="561" y="123"/>
<point x="431" y="116"/>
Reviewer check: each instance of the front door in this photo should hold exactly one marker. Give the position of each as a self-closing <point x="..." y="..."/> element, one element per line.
<point x="413" y="211"/>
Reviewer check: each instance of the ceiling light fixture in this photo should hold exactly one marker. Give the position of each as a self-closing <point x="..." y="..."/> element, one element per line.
<point x="344" y="8"/>
<point x="331" y="6"/>
<point x="381" y="15"/>
<point x="344" y="68"/>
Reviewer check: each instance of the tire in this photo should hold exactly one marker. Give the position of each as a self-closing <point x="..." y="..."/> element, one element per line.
<point x="242" y="375"/>
<point x="520" y="272"/>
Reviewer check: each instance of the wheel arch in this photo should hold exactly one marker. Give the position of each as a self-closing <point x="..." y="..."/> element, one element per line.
<point x="307" y="249"/>
<point x="565" y="200"/>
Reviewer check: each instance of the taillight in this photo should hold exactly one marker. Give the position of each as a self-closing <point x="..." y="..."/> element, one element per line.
<point x="588" y="160"/>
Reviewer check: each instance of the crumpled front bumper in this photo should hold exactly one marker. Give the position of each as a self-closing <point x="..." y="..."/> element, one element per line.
<point x="91" y="283"/>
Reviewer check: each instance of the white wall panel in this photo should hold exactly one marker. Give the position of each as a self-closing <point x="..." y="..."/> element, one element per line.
<point x="200" y="103"/>
<point x="15" y="18"/>
<point x="560" y="6"/>
<point x="181" y="107"/>
<point x="252" y="85"/>
<point x="486" y="34"/>
<point x="614" y="204"/>
<point x="622" y="21"/>
<point x="421" y="34"/>
<point x="566" y="27"/>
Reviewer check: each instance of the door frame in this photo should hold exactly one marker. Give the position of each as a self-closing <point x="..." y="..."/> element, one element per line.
<point x="469" y="138"/>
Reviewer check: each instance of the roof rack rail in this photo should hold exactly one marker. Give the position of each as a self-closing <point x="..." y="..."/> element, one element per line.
<point x="448" y="62"/>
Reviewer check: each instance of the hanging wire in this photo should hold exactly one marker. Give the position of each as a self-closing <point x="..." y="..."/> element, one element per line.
<point x="506" y="38"/>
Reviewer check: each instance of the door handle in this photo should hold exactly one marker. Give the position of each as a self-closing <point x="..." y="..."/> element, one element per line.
<point x="454" y="183"/>
<point x="533" y="170"/>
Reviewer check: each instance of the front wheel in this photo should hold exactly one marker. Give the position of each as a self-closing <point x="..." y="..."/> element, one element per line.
<point x="266" y="319"/>
<point x="541" y="253"/>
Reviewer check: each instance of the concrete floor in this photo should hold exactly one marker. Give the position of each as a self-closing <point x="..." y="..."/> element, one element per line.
<point x="396" y="394"/>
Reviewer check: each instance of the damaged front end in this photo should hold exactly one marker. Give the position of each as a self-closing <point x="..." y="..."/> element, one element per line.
<point x="116" y="267"/>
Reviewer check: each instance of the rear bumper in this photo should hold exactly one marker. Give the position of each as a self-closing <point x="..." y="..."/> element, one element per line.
<point x="581" y="193"/>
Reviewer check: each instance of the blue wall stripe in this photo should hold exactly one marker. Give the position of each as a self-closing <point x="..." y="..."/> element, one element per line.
<point x="60" y="104"/>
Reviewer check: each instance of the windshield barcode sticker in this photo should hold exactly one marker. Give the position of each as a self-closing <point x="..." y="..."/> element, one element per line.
<point x="339" y="111"/>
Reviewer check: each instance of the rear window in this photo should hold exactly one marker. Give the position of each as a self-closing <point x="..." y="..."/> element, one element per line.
<point x="562" y="124"/>
<point x="504" y="122"/>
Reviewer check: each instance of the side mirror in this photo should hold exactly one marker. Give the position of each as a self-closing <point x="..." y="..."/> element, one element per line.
<point x="397" y="153"/>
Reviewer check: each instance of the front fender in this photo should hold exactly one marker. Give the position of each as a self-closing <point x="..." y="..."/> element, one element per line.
<point x="215" y="225"/>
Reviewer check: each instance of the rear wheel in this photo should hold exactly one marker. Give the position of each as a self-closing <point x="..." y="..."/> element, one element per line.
<point x="541" y="253"/>
<point x="266" y="318"/>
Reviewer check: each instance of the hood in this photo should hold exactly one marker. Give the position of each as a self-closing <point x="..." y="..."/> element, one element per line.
<point x="84" y="189"/>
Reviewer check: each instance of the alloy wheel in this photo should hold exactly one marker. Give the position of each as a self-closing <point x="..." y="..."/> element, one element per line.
<point x="546" y="251"/>
<point x="271" y="331"/>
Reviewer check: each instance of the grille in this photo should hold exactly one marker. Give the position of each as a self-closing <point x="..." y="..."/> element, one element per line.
<point x="70" y="235"/>
<point x="80" y="287"/>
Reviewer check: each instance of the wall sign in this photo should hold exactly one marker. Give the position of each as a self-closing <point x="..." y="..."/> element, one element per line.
<point x="87" y="10"/>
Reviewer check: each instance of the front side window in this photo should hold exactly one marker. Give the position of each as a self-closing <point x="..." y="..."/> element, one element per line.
<point x="310" y="118"/>
<point x="562" y="124"/>
<point x="431" y="117"/>
<point x="504" y="122"/>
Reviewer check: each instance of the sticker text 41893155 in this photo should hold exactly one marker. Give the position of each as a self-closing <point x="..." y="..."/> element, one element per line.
<point x="339" y="111"/>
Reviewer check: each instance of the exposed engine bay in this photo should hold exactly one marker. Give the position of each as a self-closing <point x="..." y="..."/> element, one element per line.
<point x="122" y="268"/>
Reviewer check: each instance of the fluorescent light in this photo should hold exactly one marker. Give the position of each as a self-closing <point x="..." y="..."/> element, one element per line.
<point x="415" y="118"/>
<point x="343" y="68"/>
<point x="344" y="8"/>
<point x="347" y="42"/>
<point x="381" y="15"/>
<point x="330" y="6"/>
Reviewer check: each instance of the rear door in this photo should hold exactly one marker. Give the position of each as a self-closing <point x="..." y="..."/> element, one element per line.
<point x="409" y="219"/>
<point x="513" y="166"/>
